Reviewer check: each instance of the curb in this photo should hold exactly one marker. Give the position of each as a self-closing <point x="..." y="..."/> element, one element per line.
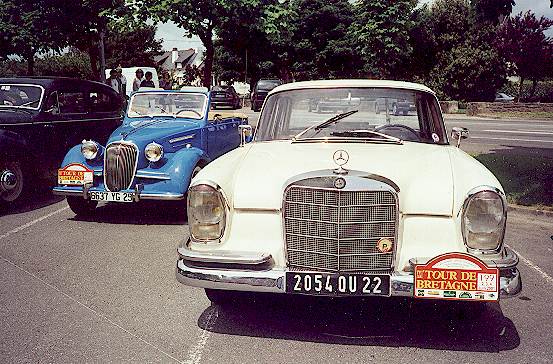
<point x="529" y="210"/>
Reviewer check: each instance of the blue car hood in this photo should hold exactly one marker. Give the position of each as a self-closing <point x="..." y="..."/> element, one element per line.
<point x="144" y="131"/>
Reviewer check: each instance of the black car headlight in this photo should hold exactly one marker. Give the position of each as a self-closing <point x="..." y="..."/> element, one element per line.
<point x="484" y="219"/>
<point x="206" y="213"/>
<point x="89" y="149"/>
<point x="153" y="152"/>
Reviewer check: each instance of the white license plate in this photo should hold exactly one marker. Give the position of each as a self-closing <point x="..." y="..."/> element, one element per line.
<point x="112" y="196"/>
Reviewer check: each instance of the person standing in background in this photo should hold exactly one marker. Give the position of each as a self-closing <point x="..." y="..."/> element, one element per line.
<point x="113" y="81"/>
<point x="138" y="79"/>
<point x="122" y="81"/>
<point x="148" y="81"/>
<point x="165" y="82"/>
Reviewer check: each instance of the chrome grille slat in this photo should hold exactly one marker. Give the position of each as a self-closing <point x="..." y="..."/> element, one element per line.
<point x="336" y="230"/>
<point x="120" y="166"/>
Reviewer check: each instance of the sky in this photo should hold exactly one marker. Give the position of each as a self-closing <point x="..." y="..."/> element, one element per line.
<point x="174" y="37"/>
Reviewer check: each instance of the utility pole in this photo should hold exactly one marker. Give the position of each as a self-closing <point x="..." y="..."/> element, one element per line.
<point x="245" y="78"/>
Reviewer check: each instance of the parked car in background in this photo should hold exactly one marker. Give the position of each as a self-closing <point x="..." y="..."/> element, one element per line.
<point x="502" y="97"/>
<point x="395" y="106"/>
<point x="40" y="118"/>
<point x="224" y="96"/>
<point x="333" y="104"/>
<point x="166" y="138"/>
<point x="350" y="204"/>
<point x="260" y="91"/>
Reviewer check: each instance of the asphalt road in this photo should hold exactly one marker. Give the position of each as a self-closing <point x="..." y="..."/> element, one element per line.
<point x="104" y="290"/>
<point x="486" y="135"/>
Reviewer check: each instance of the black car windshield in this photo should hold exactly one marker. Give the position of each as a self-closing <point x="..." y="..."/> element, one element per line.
<point x="175" y="104"/>
<point x="21" y="96"/>
<point x="267" y="85"/>
<point x="366" y="114"/>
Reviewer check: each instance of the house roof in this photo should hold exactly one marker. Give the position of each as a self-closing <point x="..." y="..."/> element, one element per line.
<point x="184" y="56"/>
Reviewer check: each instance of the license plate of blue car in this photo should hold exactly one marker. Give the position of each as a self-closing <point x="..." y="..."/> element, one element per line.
<point x="338" y="284"/>
<point x="112" y="196"/>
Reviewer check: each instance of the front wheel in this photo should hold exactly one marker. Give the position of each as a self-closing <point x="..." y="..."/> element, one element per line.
<point x="81" y="207"/>
<point x="12" y="180"/>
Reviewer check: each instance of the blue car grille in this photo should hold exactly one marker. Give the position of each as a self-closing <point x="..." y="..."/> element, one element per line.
<point x="120" y="166"/>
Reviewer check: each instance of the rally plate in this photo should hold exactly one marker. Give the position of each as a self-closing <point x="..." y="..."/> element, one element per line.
<point x="338" y="284"/>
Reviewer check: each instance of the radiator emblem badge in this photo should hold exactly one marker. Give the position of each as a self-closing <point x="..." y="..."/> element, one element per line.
<point x="339" y="183"/>
<point x="384" y="245"/>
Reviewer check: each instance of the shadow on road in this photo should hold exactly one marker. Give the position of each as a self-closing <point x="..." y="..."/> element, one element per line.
<point x="34" y="200"/>
<point x="142" y="213"/>
<point x="382" y="322"/>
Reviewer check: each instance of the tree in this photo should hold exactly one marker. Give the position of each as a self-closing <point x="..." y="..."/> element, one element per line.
<point x="525" y="45"/>
<point x="492" y="11"/>
<point x="128" y="44"/>
<point x="381" y="31"/>
<point x="197" y="17"/>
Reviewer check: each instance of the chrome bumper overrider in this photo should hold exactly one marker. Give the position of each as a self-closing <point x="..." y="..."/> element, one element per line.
<point x="247" y="277"/>
<point x="138" y="194"/>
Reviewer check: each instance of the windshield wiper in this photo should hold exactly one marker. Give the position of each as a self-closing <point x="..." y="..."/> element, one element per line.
<point x="363" y="134"/>
<point x="326" y="123"/>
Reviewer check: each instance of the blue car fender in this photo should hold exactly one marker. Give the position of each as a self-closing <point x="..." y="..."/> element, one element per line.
<point x="74" y="155"/>
<point x="182" y="165"/>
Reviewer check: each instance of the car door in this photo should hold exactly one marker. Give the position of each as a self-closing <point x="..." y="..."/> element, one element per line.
<point x="215" y="129"/>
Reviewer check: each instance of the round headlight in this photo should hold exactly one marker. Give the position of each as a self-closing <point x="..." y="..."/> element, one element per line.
<point x="154" y="152"/>
<point x="484" y="218"/>
<point x="89" y="149"/>
<point x="206" y="213"/>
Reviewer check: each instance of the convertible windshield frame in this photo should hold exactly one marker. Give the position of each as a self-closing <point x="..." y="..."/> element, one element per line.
<point x="425" y="111"/>
<point x="164" y="113"/>
<point x="40" y="102"/>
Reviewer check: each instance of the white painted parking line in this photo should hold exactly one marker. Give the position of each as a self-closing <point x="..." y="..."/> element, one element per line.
<point x="532" y="265"/>
<point x="514" y="139"/>
<point x="519" y="131"/>
<point x="196" y="352"/>
<point x="31" y="223"/>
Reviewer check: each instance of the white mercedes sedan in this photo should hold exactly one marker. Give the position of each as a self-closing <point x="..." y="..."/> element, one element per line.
<point x="349" y="202"/>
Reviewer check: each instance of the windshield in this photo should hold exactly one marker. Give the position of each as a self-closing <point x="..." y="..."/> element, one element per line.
<point x="21" y="96"/>
<point x="268" y="85"/>
<point x="379" y="114"/>
<point x="179" y="105"/>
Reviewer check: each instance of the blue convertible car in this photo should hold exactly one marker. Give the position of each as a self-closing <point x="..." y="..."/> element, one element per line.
<point x="165" y="139"/>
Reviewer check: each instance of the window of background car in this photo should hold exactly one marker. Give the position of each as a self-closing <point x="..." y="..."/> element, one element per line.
<point x="267" y="85"/>
<point x="72" y="102"/>
<point x="404" y="114"/>
<point x="102" y="102"/>
<point x="24" y="96"/>
<point x="185" y="105"/>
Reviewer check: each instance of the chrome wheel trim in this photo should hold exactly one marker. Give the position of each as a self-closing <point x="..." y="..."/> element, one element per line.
<point x="11" y="181"/>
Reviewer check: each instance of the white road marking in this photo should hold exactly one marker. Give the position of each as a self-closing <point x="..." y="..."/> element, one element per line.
<point x="514" y="139"/>
<point x="519" y="131"/>
<point x="31" y="223"/>
<point x="532" y="265"/>
<point x="196" y="352"/>
<point x="93" y="311"/>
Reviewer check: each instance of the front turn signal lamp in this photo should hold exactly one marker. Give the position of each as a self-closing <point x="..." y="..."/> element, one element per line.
<point x="483" y="220"/>
<point x="206" y="213"/>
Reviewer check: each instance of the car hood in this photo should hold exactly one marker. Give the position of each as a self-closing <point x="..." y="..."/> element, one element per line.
<point x="160" y="130"/>
<point x="422" y="172"/>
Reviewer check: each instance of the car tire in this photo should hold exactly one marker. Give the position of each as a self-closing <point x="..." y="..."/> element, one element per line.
<point x="82" y="207"/>
<point x="14" y="179"/>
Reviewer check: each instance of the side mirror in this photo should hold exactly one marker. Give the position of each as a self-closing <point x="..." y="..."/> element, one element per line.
<point x="459" y="134"/>
<point x="245" y="134"/>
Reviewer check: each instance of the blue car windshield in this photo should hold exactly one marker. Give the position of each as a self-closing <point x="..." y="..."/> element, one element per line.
<point x="176" y="104"/>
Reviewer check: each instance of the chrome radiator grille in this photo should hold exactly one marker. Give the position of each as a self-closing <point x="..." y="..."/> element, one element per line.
<point x="337" y="230"/>
<point x="120" y="166"/>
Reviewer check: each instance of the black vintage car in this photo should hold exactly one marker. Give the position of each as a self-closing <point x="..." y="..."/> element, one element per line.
<point x="41" y="118"/>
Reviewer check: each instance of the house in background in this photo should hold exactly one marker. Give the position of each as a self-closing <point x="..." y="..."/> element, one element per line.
<point x="179" y="62"/>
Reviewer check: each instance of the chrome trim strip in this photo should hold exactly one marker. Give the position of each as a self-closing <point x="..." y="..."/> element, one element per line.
<point x="224" y="256"/>
<point x="273" y="280"/>
<point x="66" y="192"/>
<point x="180" y="139"/>
<point x="152" y="175"/>
<point x="507" y="260"/>
<point x="161" y="196"/>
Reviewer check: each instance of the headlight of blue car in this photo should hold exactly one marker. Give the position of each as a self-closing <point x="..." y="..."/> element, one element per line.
<point x="89" y="149"/>
<point x="153" y="152"/>
<point x="206" y="213"/>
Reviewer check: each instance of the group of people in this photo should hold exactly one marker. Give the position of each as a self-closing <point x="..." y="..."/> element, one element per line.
<point x="119" y="82"/>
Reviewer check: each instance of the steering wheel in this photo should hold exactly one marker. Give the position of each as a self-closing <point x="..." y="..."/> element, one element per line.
<point x="194" y="111"/>
<point x="400" y="131"/>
